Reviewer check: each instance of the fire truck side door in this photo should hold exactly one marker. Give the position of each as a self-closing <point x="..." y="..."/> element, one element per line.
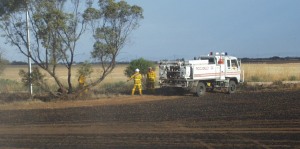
<point x="235" y="65"/>
<point x="232" y="67"/>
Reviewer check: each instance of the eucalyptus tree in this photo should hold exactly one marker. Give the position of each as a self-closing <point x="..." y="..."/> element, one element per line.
<point x="111" y="22"/>
<point x="57" y="25"/>
<point x="54" y="30"/>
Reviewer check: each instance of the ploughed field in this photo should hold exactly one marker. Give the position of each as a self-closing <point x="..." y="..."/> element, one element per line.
<point x="268" y="119"/>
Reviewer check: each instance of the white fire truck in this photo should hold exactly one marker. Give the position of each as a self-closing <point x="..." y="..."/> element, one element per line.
<point x="213" y="71"/>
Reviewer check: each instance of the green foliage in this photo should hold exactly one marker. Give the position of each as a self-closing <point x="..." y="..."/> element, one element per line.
<point x="91" y="14"/>
<point x="9" y="6"/>
<point x="37" y="78"/>
<point x="118" y="20"/>
<point x="85" y="69"/>
<point x="141" y="64"/>
<point x="55" y="28"/>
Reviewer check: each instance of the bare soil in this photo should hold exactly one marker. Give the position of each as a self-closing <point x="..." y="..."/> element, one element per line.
<point x="247" y="119"/>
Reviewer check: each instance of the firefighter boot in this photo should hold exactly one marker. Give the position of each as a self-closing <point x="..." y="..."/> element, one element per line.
<point x="140" y="92"/>
<point x="132" y="92"/>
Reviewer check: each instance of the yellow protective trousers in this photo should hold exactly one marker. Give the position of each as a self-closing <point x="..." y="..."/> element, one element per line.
<point x="139" y="86"/>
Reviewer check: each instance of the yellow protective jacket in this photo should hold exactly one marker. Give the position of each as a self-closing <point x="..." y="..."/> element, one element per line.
<point x="81" y="79"/>
<point x="151" y="76"/>
<point x="137" y="78"/>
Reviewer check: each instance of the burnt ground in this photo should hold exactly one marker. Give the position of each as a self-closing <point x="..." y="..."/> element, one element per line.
<point x="253" y="119"/>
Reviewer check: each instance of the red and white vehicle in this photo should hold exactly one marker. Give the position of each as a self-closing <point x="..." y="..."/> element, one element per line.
<point x="216" y="70"/>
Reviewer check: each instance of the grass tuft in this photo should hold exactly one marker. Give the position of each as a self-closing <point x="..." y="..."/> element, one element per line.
<point x="292" y="78"/>
<point x="255" y="79"/>
<point x="8" y="86"/>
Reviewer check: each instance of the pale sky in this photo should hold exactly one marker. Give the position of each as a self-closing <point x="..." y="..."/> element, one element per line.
<point x="188" y="28"/>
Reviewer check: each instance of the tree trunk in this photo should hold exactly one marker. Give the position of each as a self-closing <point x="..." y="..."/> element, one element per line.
<point x="69" y="80"/>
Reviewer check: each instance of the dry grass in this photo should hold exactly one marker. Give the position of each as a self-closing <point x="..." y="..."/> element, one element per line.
<point x="12" y="73"/>
<point x="115" y="83"/>
<point x="271" y="72"/>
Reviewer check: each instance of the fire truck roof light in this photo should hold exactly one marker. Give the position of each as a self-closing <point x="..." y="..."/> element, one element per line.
<point x="224" y="53"/>
<point x="217" y="53"/>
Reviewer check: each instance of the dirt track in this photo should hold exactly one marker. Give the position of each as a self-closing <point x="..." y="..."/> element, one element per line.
<point x="216" y="120"/>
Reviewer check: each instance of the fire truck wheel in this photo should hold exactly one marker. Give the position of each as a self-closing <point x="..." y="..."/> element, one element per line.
<point x="201" y="89"/>
<point x="232" y="87"/>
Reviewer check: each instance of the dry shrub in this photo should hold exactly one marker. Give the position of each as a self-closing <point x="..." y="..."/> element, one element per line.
<point x="278" y="82"/>
<point x="120" y="87"/>
<point x="292" y="78"/>
<point x="13" y="97"/>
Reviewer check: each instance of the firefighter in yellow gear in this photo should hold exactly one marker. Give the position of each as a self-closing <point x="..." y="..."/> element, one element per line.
<point x="137" y="77"/>
<point x="81" y="82"/>
<point x="151" y="76"/>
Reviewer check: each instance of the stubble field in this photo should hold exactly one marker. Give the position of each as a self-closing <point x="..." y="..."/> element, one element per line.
<point x="246" y="119"/>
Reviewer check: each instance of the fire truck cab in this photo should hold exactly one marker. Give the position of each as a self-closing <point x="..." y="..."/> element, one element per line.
<point x="209" y="72"/>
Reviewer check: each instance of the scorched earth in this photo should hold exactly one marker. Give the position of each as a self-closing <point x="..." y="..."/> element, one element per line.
<point x="247" y="119"/>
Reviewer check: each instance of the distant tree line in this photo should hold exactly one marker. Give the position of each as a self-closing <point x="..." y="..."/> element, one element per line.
<point x="75" y="63"/>
<point x="271" y="59"/>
